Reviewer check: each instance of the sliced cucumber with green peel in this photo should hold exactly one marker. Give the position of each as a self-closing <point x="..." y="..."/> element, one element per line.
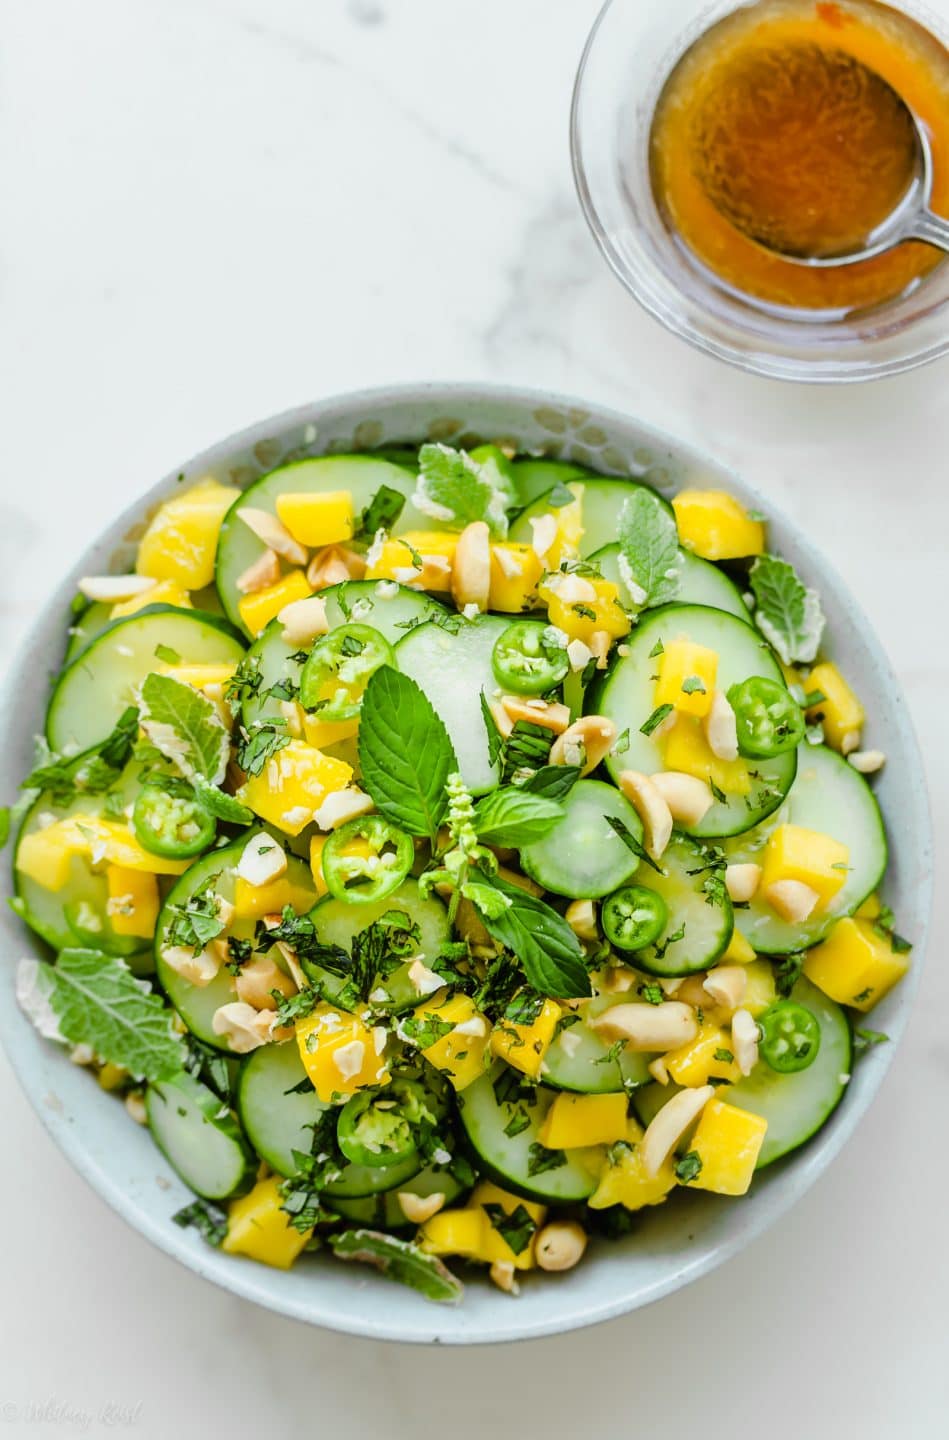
<point x="337" y="922"/>
<point x="199" y="1137"/>
<point x="196" y="1004"/>
<point x="503" y="1134"/>
<point x="95" y="618"/>
<point x="277" y="1116"/>
<point x="356" y="600"/>
<point x="581" y="1060"/>
<point x="601" y="506"/>
<point x="828" y="796"/>
<point x="362" y="475"/>
<point x="535" y="478"/>
<point x="794" y="1105"/>
<point x="701" y="920"/>
<point x="627" y="697"/>
<point x="385" y="1211"/>
<point x="583" y="856"/>
<point x="93" y="691"/>
<point x="452" y="669"/>
<point x="700" y="582"/>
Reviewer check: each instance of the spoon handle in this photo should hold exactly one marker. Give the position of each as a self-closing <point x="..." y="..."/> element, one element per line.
<point x="934" y="229"/>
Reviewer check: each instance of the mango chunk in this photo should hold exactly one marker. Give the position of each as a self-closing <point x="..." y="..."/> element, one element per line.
<point x="339" y="1053"/>
<point x="581" y="1120"/>
<point x="45" y="856"/>
<point x="323" y="518"/>
<point x="494" y="1247"/>
<point x="760" y="990"/>
<point x="460" y="1050"/>
<point x="515" y="571"/>
<point x="728" y="1142"/>
<point x="209" y="679"/>
<point x="251" y="902"/>
<point x="814" y="859"/>
<point x="163" y="592"/>
<point x="715" y="525"/>
<point x="40" y="855"/>
<point x="133" y="902"/>
<point x="293" y="785"/>
<point x="687" y="676"/>
<point x="580" y="605"/>
<point x="455" y="1232"/>
<point x="524" y="1046"/>
<point x="707" y="1057"/>
<point x="855" y="965"/>
<point x="685" y="748"/>
<point x="259" y="1229"/>
<point x="421" y="559"/>
<point x="320" y="733"/>
<point x="180" y="543"/>
<point x="258" y="609"/>
<point x="842" y="714"/>
<point x="738" y="951"/>
<point x="566" y="533"/>
<point x="624" y="1181"/>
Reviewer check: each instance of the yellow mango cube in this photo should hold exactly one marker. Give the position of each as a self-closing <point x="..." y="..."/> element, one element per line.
<point x="181" y="540"/>
<point x="685" y="748"/>
<point x="842" y="714"/>
<point x="251" y="902"/>
<point x="317" y="844"/>
<point x="209" y="679"/>
<point x="728" y="1142"/>
<point x="524" y="1046"/>
<point x="738" y="950"/>
<point x="293" y="785"/>
<point x="574" y="1121"/>
<point x="580" y="605"/>
<point x="339" y="1053"/>
<point x="435" y="551"/>
<point x="258" y="1228"/>
<point x="814" y="859"/>
<point x="163" y="592"/>
<point x="45" y="856"/>
<point x="494" y="1247"/>
<point x="760" y="991"/>
<point x="715" y="525"/>
<point x="455" y="1232"/>
<point x="703" y="1059"/>
<point x="317" y="519"/>
<point x="320" y="733"/>
<point x="569" y="532"/>
<point x="133" y="902"/>
<point x="871" y="909"/>
<point x="687" y="676"/>
<point x="459" y="1052"/>
<point x="624" y="1181"/>
<point x="258" y="609"/>
<point x="855" y="965"/>
<point x="515" y="571"/>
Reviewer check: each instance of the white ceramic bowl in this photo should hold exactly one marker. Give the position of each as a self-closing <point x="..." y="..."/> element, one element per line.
<point x="672" y="1244"/>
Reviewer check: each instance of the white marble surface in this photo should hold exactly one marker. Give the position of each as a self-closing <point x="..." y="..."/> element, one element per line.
<point x="215" y="209"/>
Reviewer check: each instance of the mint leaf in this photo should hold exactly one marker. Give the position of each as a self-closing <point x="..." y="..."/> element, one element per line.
<point x="488" y="901"/>
<point x="541" y="939"/>
<point x="185" y="727"/>
<point x="649" y="550"/>
<point x="399" y="1260"/>
<point x="93" y="771"/>
<point x="209" y="1220"/>
<point x="787" y="613"/>
<point x="453" y="488"/>
<point x="552" y="781"/>
<point x="221" y="805"/>
<point x="515" y="816"/>
<point x="405" y="753"/>
<point x="261" y="741"/>
<point x="381" y="513"/>
<point x="97" y="1001"/>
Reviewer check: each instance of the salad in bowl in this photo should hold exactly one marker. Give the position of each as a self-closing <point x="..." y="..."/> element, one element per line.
<point x="450" y="854"/>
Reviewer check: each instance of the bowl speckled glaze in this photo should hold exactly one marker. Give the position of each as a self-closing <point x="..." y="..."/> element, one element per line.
<point x="673" y="1244"/>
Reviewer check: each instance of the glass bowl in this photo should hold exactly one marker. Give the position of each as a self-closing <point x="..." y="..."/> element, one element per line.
<point x="630" y="52"/>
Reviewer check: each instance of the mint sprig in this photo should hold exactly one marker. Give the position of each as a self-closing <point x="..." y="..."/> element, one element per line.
<point x="185" y="727"/>
<point x="649" y="549"/>
<point x="454" y="488"/>
<point x="514" y="816"/>
<point x="787" y="612"/>
<point x="543" y="942"/>
<point x="405" y="753"/>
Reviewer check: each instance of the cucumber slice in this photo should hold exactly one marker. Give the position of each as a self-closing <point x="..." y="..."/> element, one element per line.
<point x="795" y="1106"/>
<point x="700" y="924"/>
<point x="582" y="856"/>
<point x="199" y="1138"/>
<point x="626" y="696"/>
<point x="700" y="582"/>
<point x="507" y="1157"/>
<point x="536" y="477"/>
<point x="277" y="1118"/>
<point x="602" y="502"/>
<point x="338" y="921"/>
<point x="579" y="1059"/>
<point x="831" y="797"/>
<point x="362" y="475"/>
<point x="357" y="600"/>
<point x="196" y="1004"/>
<point x="96" y="617"/>
<point x="453" y="669"/>
<point x="384" y="1211"/>
<point x="92" y="692"/>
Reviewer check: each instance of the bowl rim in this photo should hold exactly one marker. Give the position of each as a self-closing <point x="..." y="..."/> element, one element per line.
<point x="244" y="1280"/>
<point x="768" y="363"/>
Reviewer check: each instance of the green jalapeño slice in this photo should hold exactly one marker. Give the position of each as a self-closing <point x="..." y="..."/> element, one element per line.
<point x="527" y="658"/>
<point x="338" y="670"/>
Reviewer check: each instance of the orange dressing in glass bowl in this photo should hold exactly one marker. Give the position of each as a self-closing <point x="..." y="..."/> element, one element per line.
<point x="774" y="130"/>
